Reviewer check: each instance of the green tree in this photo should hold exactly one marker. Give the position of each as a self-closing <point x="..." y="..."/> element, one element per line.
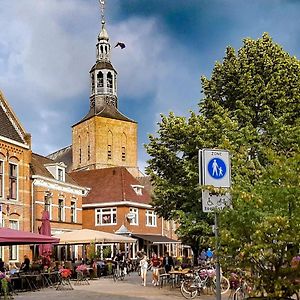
<point x="250" y="106"/>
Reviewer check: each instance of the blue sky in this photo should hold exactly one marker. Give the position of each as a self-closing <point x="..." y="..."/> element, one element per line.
<point x="47" y="48"/>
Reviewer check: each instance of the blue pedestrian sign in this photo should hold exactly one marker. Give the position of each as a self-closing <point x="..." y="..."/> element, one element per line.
<point x="214" y="167"/>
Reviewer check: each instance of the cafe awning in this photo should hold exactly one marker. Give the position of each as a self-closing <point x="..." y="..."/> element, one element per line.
<point x="86" y="236"/>
<point x="156" y="239"/>
<point x="10" y="236"/>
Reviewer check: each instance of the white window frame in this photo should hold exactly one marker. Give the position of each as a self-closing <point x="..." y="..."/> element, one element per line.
<point x="138" y="189"/>
<point x="74" y="217"/>
<point x="2" y="178"/>
<point x="16" y="247"/>
<point x="17" y="181"/>
<point x="61" y="171"/>
<point x="151" y="218"/>
<point x="62" y="211"/>
<point x="101" y="213"/>
<point x="134" y="211"/>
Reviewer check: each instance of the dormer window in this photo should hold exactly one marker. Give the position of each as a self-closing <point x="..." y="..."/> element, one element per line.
<point x="57" y="170"/>
<point x="138" y="189"/>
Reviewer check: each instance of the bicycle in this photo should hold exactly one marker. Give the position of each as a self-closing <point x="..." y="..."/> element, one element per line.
<point x="202" y="281"/>
<point x="118" y="272"/>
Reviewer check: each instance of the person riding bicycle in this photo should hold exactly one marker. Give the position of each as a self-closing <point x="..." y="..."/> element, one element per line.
<point x="119" y="261"/>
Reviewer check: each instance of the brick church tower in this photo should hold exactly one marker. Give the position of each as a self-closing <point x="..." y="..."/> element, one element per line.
<point x="104" y="137"/>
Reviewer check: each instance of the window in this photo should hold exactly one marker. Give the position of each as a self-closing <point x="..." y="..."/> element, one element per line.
<point x="93" y="84"/>
<point x="109" y="82"/>
<point x="89" y="152"/>
<point x="138" y="189"/>
<point x="80" y="155"/>
<point x="60" y="174"/>
<point x="150" y="218"/>
<point x="47" y="204"/>
<point x="109" y="152"/>
<point x="133" y="216"/>
<point x="1" y="178"/>
<point x="73" y="212"/>
<point x="106" y="216"/>
<point x="13" y="250"/>
<point x="60" y="209"/>
<point x="100" y="82"/>
<point x="13" y="181"/>
<point x="123" y="153"/>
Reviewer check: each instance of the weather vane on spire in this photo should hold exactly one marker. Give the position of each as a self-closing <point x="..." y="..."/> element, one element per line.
<point x="102" y="7"/>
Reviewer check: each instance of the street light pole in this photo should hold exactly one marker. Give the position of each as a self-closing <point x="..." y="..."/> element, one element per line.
<point x="218" y="272"/>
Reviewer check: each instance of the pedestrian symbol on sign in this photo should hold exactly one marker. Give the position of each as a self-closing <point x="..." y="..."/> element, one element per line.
<point x="216" y="168"/>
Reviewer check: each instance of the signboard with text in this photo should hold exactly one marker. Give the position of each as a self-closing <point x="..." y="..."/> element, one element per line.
<point x="214" y="170"/>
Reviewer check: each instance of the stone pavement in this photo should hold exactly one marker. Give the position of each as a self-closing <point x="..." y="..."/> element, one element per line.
<point x="106" y="289"/>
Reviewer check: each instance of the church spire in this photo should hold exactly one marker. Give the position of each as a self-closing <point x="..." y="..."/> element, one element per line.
<point x="103" y="75"/>
<point x="103" y="46"/>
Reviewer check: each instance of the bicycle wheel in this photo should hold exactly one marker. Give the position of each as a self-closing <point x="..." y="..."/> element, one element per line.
<point x="225" y="285"/>
<point x="188" y="289"/>
<point x="295" y="296"/>
<point x="122" y="275"/>
<point x="239" y="294"/>
<point x="115" y="276"/>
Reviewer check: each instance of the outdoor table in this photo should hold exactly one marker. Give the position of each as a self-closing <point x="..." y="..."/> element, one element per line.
<point x="46" y="279"/>
<point x="30" y="281"/>
<point x="176" y="276"/>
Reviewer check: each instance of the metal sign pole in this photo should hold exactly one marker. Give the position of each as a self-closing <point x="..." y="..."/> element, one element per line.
<point x="218" y="273"/>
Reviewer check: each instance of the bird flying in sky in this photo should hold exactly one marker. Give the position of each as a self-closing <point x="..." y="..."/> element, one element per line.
<point x="121" y="45"/>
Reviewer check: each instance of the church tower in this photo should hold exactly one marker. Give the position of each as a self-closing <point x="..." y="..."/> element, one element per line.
<point x="104" y="137"/>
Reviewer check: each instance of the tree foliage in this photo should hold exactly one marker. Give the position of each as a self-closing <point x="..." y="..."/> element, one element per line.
<point x="251" y="107"/>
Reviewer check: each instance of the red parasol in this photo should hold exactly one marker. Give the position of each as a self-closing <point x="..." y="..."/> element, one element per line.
<point x="45" y="229"/>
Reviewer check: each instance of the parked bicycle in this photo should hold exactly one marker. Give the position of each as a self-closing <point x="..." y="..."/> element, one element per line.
<point x="202" y="281"/>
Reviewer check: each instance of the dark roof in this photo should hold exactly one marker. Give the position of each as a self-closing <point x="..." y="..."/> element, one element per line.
<point x="102" y="65"/>
<point x="7" y="128"/>
<point x="110" y="185"/>
<point x="155" y="239"/>
<point x="107" y="111"/>
<point x="38" y="168"/>
<point x="63" y="155"/>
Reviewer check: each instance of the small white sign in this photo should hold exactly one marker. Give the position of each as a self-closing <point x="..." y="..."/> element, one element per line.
<point x="215" y="167"/>
<point x="211" y="202"/>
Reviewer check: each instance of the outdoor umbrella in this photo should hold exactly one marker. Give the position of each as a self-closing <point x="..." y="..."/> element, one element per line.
<point x="17" y="237"/>
<point x="45" y="229"/>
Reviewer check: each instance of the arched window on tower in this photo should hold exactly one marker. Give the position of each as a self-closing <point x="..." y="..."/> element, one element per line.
<point x="79" y="149"/>
<point x="109" y="144"/>
<point x="109" y="82"/>
<point x="88" y="147"/>
<point x="124" y="144"/>
<point x="100" y="82"/>
<point x="93" y="84"/>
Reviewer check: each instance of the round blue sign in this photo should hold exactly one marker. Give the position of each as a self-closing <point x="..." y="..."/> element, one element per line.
<point x="216" y="168"/>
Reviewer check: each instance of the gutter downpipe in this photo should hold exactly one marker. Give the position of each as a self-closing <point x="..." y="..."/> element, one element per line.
<point x="32" y="206"/>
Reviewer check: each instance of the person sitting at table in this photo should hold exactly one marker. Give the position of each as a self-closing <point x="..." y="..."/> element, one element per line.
<point x="25" y="266"/>
<point x="13" y="268"/>
<point x="168" y="262"/>
<point x="2" y="266"/>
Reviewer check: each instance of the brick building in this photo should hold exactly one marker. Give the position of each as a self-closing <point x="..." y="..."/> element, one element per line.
<point x="15" y="187"/>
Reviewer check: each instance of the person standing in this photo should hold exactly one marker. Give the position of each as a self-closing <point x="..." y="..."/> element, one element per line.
<point x="155" y="263"/>
<point x="144" y="267"/>
<point x="209" y="254"/>
<point x="168" y="262"/>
